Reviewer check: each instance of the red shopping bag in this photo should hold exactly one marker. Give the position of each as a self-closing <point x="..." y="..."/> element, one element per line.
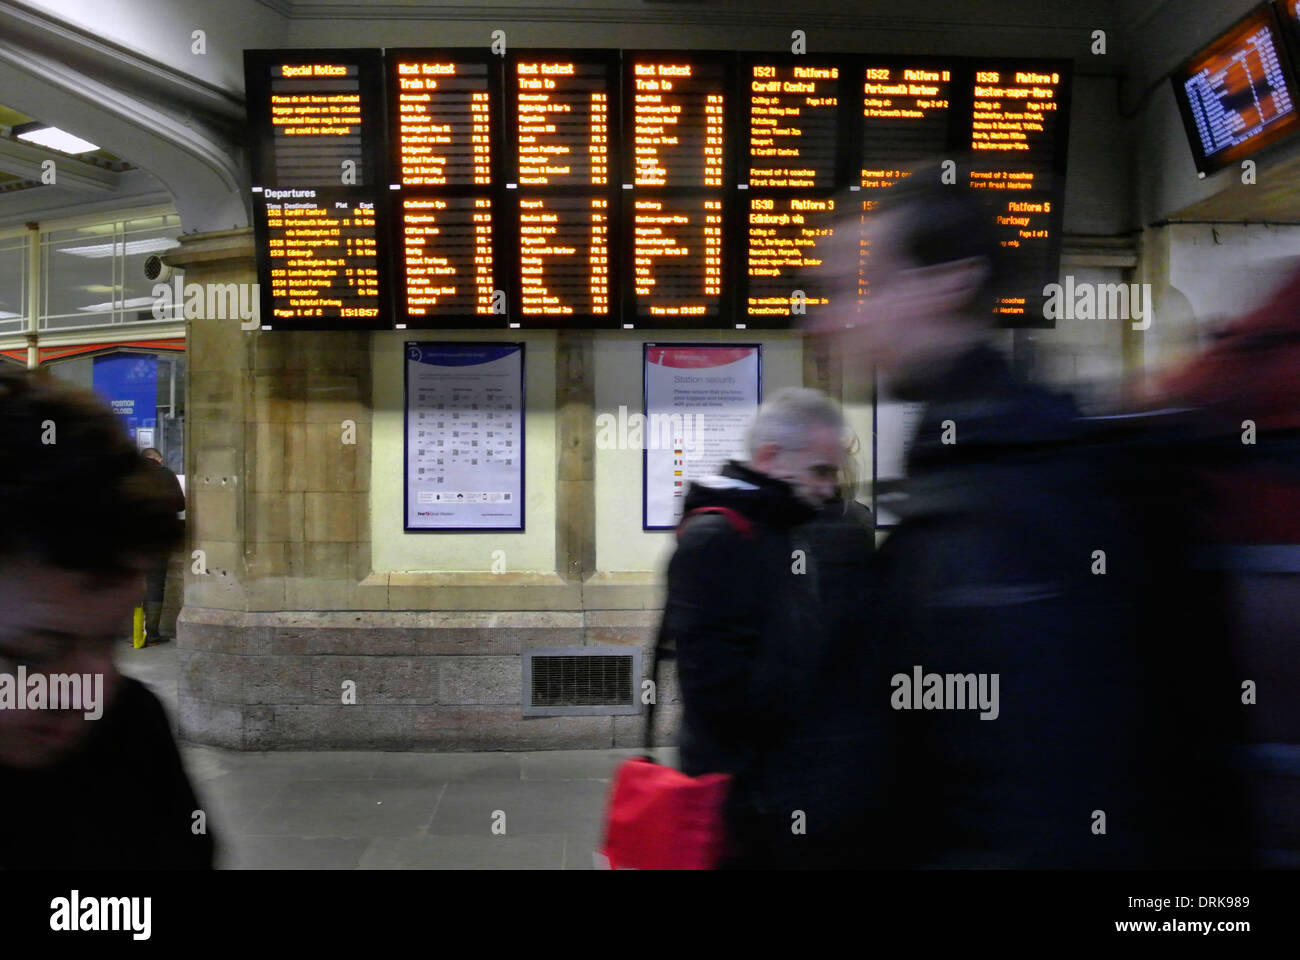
<point x="661" y="819"/>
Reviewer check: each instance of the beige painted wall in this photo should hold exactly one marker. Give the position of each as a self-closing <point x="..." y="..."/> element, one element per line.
<point x="621" y="545"/>
<point x="529" y="551"/>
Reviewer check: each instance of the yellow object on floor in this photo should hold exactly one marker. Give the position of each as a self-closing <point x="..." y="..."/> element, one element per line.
<point x="138" y="632"/>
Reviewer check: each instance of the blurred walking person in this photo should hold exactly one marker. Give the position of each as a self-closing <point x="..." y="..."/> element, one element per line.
<point x="94" y="784"/>
<point x="1007" y="599"/>
<point x="1236" y="410"/>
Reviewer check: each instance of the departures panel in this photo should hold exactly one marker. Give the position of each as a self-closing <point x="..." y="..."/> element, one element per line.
<point x="445" y="142"/>
<point x="679" y="114"/>
<point x="562" y="120"/>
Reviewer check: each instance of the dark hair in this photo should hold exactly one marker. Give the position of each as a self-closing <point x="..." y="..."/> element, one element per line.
<point x="151" y="452"/>
<point x="941" y="222"/>
<point x="86" y="501"/>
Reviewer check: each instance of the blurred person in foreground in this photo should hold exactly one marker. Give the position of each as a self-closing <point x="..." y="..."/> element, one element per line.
<point x="1238" y="403"/>
<point x="100" y="787"/>
<point x="743" y="615"/>
<point x="1021" y="698"/>
<point x="1235" y="409"/>
<point x="156" y="579"/>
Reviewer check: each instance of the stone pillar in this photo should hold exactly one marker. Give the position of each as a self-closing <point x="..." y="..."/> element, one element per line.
<point x="278" y="471"/>
<point x="823" y="367"/>
<point x="575" y="390"/>
<point x="217" y="391"/>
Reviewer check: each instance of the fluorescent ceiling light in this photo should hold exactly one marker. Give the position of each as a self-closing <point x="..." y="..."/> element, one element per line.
<point x="52" y="138"/>
<point x="131" y="304"/>
<point x="98" y="251"/>
<point x="6" y="315"/>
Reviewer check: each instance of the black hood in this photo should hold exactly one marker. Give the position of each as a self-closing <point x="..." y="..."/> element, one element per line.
<point x="993" y="414"/>
<point x="753" y="495"/>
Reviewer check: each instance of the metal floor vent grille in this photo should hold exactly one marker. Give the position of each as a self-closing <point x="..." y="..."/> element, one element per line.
<point x="581" y="680"/>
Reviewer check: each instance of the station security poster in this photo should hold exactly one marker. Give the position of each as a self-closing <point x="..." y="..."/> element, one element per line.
<point x="464" y="436"/>
<point x="699" y="402"/>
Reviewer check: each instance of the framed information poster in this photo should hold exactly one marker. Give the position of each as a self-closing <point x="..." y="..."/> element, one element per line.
<point x="464" y="436"/>
<point x="699" y="401"/>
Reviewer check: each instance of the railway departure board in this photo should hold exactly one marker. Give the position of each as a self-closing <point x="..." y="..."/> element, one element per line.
<point x="444" y="130"/>
<point x="562" y="113"/>
<point x="679" y="183"/>
<point x="1015" y="127"/>
<point x="442" y="121"/>
<point x="795" y="156"/>
<point x="446" y="188"/>
<point x="795" y="107"/>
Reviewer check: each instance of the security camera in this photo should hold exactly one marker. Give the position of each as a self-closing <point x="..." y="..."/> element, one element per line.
<point x="156" y="271"/>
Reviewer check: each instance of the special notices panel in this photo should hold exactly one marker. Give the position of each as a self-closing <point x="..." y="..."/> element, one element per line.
<point x="677" y="171"/>
<point x="317" y="132"/>
<point x="445" y="141"/>
<point x="562" y="117"/>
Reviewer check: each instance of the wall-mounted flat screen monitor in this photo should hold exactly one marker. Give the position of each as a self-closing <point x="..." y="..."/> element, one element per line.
<point x="1238" y="94"/>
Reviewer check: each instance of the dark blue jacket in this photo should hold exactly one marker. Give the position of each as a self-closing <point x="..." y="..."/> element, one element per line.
<point x="996" y="567"/>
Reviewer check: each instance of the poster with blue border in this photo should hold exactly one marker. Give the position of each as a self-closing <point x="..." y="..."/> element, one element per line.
<point x="464" y="436"/>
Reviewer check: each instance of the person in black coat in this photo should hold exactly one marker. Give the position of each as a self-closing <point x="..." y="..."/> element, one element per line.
<point x="841" y="540"/>
<point x="743" y="614"/>
<point x="1028" y="716"/>
<point x="991" y="573"/>
<point x="90" y="778"/>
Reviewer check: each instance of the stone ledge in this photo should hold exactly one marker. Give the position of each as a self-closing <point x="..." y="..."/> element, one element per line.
<point x="398" y="728"/>
<point x="469" y="578"/>
<point x="425" y="592"/>
<point x="403" y="619"/>
<point x="379" y="634"/>
<point x="623" y="591"/>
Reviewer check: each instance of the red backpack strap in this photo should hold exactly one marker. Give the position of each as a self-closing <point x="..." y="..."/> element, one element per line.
<point x="740" y="523"/>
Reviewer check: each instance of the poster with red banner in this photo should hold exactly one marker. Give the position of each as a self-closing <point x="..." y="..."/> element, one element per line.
<point x="699" y="401"/>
